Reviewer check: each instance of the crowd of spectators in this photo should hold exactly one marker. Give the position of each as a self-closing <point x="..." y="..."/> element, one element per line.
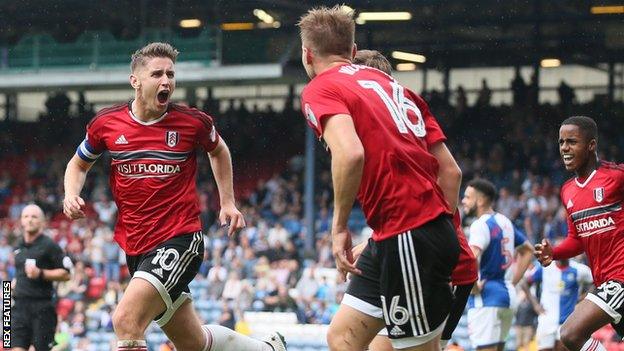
<point x="266" y="266"/>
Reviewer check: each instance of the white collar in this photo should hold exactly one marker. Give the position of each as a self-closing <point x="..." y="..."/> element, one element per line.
<point x="582" y="185"/>
<point x="148" y="123"/>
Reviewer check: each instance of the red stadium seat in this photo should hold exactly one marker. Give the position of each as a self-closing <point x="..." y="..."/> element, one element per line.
<point x="96" y="288"/>
<point x="64" y="307"/>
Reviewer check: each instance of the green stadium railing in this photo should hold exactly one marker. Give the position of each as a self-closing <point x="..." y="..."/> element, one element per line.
<point x="94" y="48"/>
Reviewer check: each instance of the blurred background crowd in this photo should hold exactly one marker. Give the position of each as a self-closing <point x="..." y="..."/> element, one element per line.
<point x="266" y="267"/>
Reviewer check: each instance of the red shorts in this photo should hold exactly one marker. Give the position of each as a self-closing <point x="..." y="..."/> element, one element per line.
<point x="466" y="270"/>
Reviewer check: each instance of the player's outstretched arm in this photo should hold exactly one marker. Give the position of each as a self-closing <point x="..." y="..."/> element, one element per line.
<point x="75" y="175"/>
<point x="449" y="175"/>
<point x="525" y="255"/>
<point x="221" y="163"/>
<point x="347" y="165"/>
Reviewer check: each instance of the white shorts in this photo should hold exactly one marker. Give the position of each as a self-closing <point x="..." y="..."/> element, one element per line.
<point x="547" y="332"/>
<point x="489" y="326"/>
<point x="546" y="341"/>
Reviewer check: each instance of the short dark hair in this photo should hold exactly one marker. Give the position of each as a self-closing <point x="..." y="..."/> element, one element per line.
<point x="485" y="187"/>
<point x="373" y="58"/>
<point x="586" y="124"/>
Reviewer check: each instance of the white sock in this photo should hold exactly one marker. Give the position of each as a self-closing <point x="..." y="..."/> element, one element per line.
<point x="225" y="339"/>
<point x="443" y="344"/>
<point x="131" y="345"/>
<point x="593" y="345"/>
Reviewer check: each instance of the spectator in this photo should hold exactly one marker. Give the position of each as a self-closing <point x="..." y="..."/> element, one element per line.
<point x="106" y="210"/>
<point x="112" y="256"/>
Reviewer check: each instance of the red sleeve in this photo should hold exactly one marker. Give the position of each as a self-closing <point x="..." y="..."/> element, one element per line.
<point x="572" y="245"/>
<point x="568" y="248"/>
<point x="434" y="132"/>
<point x="94" y="136"/>
<point x="321" y="101"/>
<point x="207" y="136"/>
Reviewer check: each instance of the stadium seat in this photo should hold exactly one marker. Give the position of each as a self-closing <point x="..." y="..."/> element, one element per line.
<point x="96" y="288"/>
<point x="64" y="307"/>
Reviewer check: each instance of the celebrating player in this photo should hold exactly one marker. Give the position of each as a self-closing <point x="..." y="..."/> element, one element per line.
<point x="381" y="137"/>
<point x="492" y="239"/>
<point x="449" y="178"/>
<point x="152" y="144"/>
<point x="593" y="200"/>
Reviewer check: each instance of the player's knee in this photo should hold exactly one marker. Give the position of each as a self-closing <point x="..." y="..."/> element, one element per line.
<point x="571" y="339"/>
<point x="343" y="340"/>
<point x="125" y="324"/>
<point x="335" y="340"/>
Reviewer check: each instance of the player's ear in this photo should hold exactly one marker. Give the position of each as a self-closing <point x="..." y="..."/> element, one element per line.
<point x="134" y="81"/>
<point x="480" y="200"/>
<point x="592" y="145"/>
<point x="307" y="55"/>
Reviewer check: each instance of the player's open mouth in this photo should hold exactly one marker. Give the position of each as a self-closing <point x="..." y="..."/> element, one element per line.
<point x="567" y="158"/>
<point x="163" y="96"/>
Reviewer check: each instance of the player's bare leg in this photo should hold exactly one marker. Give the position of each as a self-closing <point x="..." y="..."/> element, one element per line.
<point x="587" y="317"/>
<point x="559" y="346"/>
<point x="351" y="329"/>
<point x="184" y="329"/>
<point x="187" y="334"/>
<point x="140" y="304"/>
<point x="380" y="343"/>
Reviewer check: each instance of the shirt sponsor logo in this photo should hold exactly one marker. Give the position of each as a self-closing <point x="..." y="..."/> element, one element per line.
<point x="147" y="168"/>
<point x="601" y="223"/>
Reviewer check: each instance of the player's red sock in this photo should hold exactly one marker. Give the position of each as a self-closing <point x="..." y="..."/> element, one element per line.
<point x="131" y="345"/>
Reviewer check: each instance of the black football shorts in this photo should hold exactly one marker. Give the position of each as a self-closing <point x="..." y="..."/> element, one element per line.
<point x="170" y="267"/>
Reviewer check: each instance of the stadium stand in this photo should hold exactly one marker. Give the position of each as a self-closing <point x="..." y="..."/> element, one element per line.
<point x="265" y="276"/>
<point x="101" y="48"/>
<point x="266" y="269"/>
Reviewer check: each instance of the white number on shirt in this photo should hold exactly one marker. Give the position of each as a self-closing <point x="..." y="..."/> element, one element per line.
<point x="398" y="106"/>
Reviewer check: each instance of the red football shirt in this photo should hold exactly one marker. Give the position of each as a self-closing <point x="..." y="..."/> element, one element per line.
<point x="153" y="171"/>
<point x="399" y="189"/>
<point x="595" y="217"/>
<point x="465" y="271"/>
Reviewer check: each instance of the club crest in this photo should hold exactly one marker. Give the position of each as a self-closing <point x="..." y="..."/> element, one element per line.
<point x="599" y="194"/>
<point x="172" y="138"/>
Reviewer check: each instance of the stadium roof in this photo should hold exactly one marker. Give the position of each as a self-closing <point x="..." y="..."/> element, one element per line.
<point x="455" y="33"/>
